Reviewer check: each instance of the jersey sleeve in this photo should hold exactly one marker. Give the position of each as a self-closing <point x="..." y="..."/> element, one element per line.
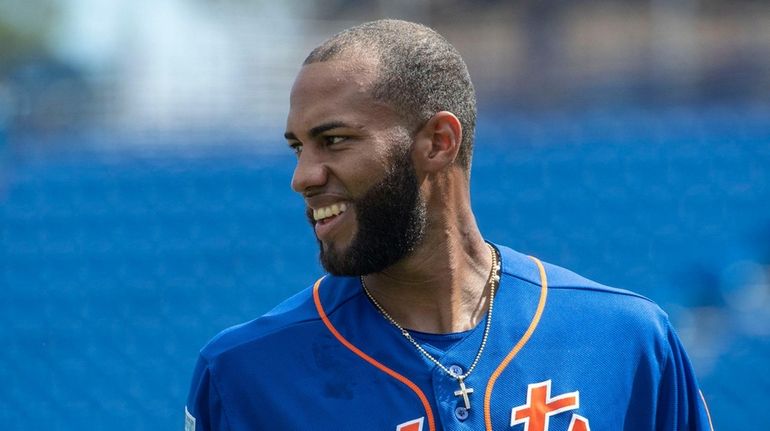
<point x="204" y="409"/>
<point x="681" y="405"/>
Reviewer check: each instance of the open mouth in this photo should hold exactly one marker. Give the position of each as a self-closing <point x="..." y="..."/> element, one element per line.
<point x="330" y="220"/>
<point x="326" y="214"/>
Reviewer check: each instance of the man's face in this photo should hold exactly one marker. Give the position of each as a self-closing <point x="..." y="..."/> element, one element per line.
<point x="354" y="168"/>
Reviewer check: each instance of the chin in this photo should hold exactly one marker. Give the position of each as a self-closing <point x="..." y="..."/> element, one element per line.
<point x="337" y="260"/>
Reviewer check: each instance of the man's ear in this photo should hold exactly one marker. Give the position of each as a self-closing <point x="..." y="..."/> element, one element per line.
<point x="438" y="142"/>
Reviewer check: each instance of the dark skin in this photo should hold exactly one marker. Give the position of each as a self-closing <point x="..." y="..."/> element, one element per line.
<point x="343" y="137"/>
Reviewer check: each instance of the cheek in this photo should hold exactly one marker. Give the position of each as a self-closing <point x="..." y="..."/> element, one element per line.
<point x="365" y="164"/>
<point x="362" y="177"/>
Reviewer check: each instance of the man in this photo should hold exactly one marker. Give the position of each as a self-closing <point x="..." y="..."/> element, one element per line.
<point x="422" y="324"/>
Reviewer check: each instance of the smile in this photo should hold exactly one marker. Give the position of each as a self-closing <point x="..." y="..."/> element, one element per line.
<point x="329" y="211"/>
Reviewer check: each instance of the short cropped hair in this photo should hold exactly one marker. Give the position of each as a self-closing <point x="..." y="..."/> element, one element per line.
<point x="420" y="73"/>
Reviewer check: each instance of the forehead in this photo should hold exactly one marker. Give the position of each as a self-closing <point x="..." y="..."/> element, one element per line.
<point x="327" y="77"/>
<point x="335" y="90"/>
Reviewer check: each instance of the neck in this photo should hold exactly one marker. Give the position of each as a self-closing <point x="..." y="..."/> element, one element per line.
<point x="442" y="286"/>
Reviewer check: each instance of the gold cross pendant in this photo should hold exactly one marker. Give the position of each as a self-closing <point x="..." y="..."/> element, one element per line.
<point x="463" y="392"/>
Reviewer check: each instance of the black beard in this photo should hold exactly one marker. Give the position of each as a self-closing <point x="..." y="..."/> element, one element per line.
<point x="391" y="220"/>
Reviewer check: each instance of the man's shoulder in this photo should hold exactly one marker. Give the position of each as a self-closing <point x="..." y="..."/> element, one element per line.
<point x="293" y="316"/>
<point x="582" y="294"/>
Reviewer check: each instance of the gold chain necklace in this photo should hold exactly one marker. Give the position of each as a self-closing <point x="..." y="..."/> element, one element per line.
<point x="492" y="281"/>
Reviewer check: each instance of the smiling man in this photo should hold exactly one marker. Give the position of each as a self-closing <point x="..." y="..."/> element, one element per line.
<point x="421" y="323"/>
<point x="354" y="167"/>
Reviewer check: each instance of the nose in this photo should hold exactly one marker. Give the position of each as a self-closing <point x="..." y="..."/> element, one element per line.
<point x="311" y="171"/>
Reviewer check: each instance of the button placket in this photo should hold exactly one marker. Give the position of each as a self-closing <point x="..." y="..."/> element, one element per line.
<point x="461" y="413"/>
<point x="456" y="370"/>
<point x="454" y="414"/>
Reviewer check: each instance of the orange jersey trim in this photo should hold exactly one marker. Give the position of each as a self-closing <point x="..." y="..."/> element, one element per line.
<point x="369" y="359"/>
<point x="530" y="330"/>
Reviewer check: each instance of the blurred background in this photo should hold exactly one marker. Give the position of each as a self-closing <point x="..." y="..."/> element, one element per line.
<point x="144" y="180"/>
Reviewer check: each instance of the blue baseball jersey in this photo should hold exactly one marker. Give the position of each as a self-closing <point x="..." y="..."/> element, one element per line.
<point x="563" y="354"/>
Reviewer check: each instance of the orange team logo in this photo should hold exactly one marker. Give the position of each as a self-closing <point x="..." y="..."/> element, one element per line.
<point x="415" y="425"/>
<point x="539" y="408"/>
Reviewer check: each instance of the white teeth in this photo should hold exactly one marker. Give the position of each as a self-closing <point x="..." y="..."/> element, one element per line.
<point x="331" y="210"/>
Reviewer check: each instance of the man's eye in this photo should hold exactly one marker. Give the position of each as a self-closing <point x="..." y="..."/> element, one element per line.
<point x="296" y="147"/>
<point x="331" y="140"/>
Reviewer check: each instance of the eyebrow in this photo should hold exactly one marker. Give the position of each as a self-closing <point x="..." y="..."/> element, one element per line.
<point x="317" y="130"/>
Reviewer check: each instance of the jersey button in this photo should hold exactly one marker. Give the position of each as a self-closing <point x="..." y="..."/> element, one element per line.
<point x="456" y="370"/>
<point x="461" y="413"/>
